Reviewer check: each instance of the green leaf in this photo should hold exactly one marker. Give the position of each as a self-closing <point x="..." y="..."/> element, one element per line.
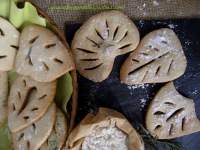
<point x="4" y="8"/>
<point x="22" y="16"/>
<point x="12" y="75"/>
<point x="64" y="91"/>
<point x="5" y="142"/>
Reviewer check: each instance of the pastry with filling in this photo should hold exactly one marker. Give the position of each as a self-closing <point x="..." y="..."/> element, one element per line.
<point x="106" y="130"/>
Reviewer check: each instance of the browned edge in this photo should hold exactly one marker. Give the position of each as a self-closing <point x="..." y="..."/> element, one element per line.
<point x="56" y="30"/>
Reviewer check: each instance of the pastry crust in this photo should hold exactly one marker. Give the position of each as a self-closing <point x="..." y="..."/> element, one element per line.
<point x="42" y="56"/>
<point x="58" y="135"/>
<point x="32" y="137"/>
<point x="100" y="40"/>
<point x="158" y="58"/>
<point x="104" y="118"/>
<point x="9" y="38"/>
<point x="28" y="101"/>
<point x="171" y="115"/>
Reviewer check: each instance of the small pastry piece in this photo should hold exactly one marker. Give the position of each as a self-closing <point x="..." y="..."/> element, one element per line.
<point x="42" y="56"/>
<point x="9" y="38"/>
<point x="158" y="58"/>
<point x="3" y="96"/>
<point x="58" y="135"/>
<point x="28" y="101"/>
<point x="171" y="115"/>
<point x="106" y="130"/>
<point x="32" y="137"/>
<point x="100" y="40"/>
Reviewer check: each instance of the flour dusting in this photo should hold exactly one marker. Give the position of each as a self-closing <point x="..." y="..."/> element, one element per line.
<point x="142" y="9"/>
<point x="141" y="23"/>
<point x="106" y="138"/>
<point x="172" y="26"/>
<point x="155" y="3"/>
<point x="133" y="87"/>
<point x="195" y="92"/>
<point x="142" y="103"/>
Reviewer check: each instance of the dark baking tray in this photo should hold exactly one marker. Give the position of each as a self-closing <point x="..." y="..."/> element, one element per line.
<point x="132" y="101"/>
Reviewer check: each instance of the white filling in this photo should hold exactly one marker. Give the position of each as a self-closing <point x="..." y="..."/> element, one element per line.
<point x="106" y="138"/>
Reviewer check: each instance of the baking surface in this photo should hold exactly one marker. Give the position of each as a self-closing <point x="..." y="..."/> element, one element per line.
<point x="132" y="101"/>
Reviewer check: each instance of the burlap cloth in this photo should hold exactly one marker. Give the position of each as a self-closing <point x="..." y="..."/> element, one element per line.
<point x="77" y="11"/>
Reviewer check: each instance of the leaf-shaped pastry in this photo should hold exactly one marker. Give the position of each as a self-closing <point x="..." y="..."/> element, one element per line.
<point x="171" y="115"/>
<point x="28" y="101"/>
<point x="158" y="58"/>
<point x="100" y="40"/>
<point x="9" y="38"/>
<point x="3" y="96"/>
<point x="42" y="55"/>
<point x="58" y="135"/>
<point x="32" y="137"/>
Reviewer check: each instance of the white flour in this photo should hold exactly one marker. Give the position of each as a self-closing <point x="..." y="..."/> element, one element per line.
<point x="142" y="103"/>
<point x="106" y="138"/>
<point x="155" y="3"/>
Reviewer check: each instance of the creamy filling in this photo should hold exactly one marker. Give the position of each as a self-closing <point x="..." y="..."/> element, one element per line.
<point x="106" y="138"/>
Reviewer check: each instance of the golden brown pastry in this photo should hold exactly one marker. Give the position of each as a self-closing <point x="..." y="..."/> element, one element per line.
<point x="158" y="58"/>
<point x="100" y="40"/>
<point x="106" y="130"/>
<point x="32" y="137"/>
<point x="57" y="138"/>
<point x="42" y="55"/>
<point x="28" y="101"/>
<point x="171" y="115"/>
<point x="9" y="38"/>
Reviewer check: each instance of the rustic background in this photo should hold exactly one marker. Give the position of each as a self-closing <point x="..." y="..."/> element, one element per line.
<point x="77" y="11"/>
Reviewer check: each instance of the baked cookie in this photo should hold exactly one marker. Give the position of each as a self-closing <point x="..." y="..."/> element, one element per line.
<point x="3" y="96"/>
<point x="42" y="56"/>
<point x="28" y="101"/>
<point x="9" y="38"/>
<point x="171" y="115"/>
<point x="32" y="137"/>
<point x="58" y="135"/>
<point x="100" y="40"/>
<point x="158" y="58"/>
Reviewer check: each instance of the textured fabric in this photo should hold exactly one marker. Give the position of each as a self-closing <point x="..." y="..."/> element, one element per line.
<point x="77" y="11"/>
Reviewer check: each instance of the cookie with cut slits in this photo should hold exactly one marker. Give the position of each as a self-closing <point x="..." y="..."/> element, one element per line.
<point x="158" y="58"/>
<point x="171" y="115"/>
<point x="42" y="55"/>
<point x="9" y="40"/>
<point x="58" y="135"/>
<point x="100" y="40"/>
<point x="28" y="101"/>
<point x="32" y="137"/>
